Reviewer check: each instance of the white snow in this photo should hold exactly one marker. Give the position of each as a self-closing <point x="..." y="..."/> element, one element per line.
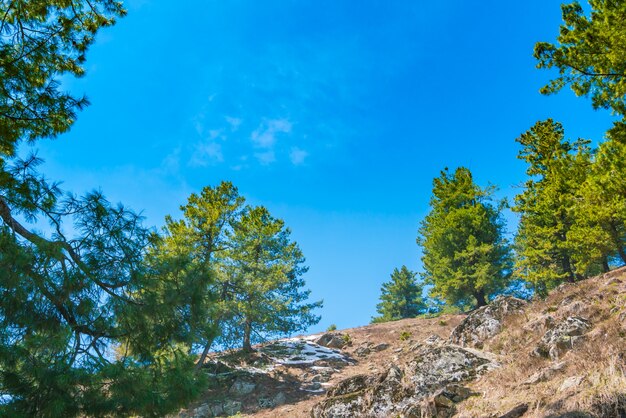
<point x="300" y="351"/>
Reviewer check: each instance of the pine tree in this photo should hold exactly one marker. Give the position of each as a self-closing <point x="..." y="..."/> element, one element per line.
<point x="401" y="297"/>
<point x="465" y="255"/>
<point x="590" y="54"/>
<point x="546" y="251"/>
<point x="187" y="259"/>
<point x="600" y="231"/>
<point x="73" y="291"/>
<point x="265" y="269"/>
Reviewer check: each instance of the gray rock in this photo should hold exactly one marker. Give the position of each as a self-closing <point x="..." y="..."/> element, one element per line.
<point x="232" y="407"/>
<point x="426" y="384"/>
<point x="562" y="337"/>
<point x="332" y="340"/>
<point x="380" y="347"/>
<point x="242" y="387"/>
<point x="485" y="322"/>
<point x="280" y="398"/>
<point x="571" y="382"/>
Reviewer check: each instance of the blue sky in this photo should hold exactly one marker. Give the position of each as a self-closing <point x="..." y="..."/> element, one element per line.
<point x="336" y="115"/>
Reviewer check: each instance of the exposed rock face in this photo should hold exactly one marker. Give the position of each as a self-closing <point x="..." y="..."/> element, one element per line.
<point x="562" y="337"/>
<point x="427" y="386"/>
<point x="485" y="322"/>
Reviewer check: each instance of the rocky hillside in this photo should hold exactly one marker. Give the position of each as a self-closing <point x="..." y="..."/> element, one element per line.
<point x="564" y="356"/>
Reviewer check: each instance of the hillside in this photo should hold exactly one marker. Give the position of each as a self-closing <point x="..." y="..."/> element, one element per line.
<point x="564" y="356"/>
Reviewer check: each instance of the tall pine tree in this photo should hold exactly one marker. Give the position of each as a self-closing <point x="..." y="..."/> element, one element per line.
<point x="546" y="251"/>
<point x="465" y="254"/>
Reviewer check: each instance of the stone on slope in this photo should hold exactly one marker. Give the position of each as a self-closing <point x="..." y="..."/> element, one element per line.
<point x="485" y="322"/>
<point x="562" y="337"/>
<point x="333" y="340"/>
<point x="429" y="383"/>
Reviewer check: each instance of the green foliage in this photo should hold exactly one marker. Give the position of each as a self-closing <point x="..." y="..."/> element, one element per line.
<point x="546" y="250"/>
<point x="232" y="272"/>
<point x="42" y="41"/>
<point x="265" y="267"/>
<point x="599" y="234"/>
<point x="405" y="335"/>
<point x="76" y="288"/>
<point x="68" y="297"/>
<point x="347" y="339"/>
<point x="400" y="298"/>
<point x="466" y="257"/>
<point x="590" y="54"/>
<point x="331" y="327"/>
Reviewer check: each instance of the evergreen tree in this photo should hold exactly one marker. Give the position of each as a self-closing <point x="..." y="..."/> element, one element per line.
<point x="546" y="250"/>
<point x="401" y="297"/>
<point x="265" y="269"/>
<point x="72" y="292"/>
<point x="187" y="260"/>
<point x="590" y="54"/>
<point x="466" y="257"/>
<point x="600" y="231"/>
<point x="230" y="273"/>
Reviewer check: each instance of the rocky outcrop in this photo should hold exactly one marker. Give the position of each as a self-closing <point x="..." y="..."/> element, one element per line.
<point x="427" y="386"/>
<point x="485" y="322"/>
<point x="562" y="337"/>
<point x="333" y="340"/>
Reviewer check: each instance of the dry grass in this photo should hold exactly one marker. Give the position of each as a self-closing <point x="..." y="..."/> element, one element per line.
<point x="597" y="364"/>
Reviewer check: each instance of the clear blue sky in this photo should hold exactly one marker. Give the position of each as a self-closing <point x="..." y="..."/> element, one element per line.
<point x="336" y="115"/>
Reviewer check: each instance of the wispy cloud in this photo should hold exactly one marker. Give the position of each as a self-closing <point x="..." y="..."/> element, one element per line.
<point x="265" y="135"/>
<point x="297" y="156"/>
<point x="233" y="122"/>
<point x="266" y="157"/>
<point x="206" y="153"/>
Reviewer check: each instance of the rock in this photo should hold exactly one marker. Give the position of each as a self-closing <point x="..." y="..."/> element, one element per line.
<point x="542" y="323"/>
<point x="516" y="412"/>
<point x="439" y="366"/>
<point x="380" y="347"/>
<point x="571" y="382"/>
<point x="232" y="407"/>
<point x="562" y="337"/>
<point x="266" y="402"/>
<point x="280" y="398"/>
<point x="545" y="374"/>
<point x="428" y="383"/>
<point x="434" y="340"/>
<point x="362" y="351"/>
<point x="485" y="322"/>
<point x="332" y="340"/>
<point x="242" y="387"/>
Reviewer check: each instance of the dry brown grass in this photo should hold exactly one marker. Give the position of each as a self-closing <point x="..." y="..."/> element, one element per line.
<point x="599" y="362"/>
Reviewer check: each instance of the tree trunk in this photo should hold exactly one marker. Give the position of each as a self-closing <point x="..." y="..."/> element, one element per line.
<point x="205" y="352"/>
<point x="567" y="268"/>
<point x="617" y="241"/>
<point x="605" y="264"/>
<point x="247" y="330"/>
<point x="481" y="300"/>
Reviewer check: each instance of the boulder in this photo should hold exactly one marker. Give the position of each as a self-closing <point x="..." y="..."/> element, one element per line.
<point x="242" y="387"/>
<point x="427" y="386"/>
<point x="485" y="322"/>
<point x="333" y="340"/>
<point x="562" y="337"/>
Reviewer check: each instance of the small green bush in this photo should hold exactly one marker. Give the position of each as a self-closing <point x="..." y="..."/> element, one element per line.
<point x="331" y="327"/>
<point x="405" y="335"/>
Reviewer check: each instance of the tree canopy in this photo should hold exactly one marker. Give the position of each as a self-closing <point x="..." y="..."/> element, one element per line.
<point x="590" y="53"/>
<point x="401" y="297"/>
<point x="548" y="205"/>
<point x="465" y="254"/>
